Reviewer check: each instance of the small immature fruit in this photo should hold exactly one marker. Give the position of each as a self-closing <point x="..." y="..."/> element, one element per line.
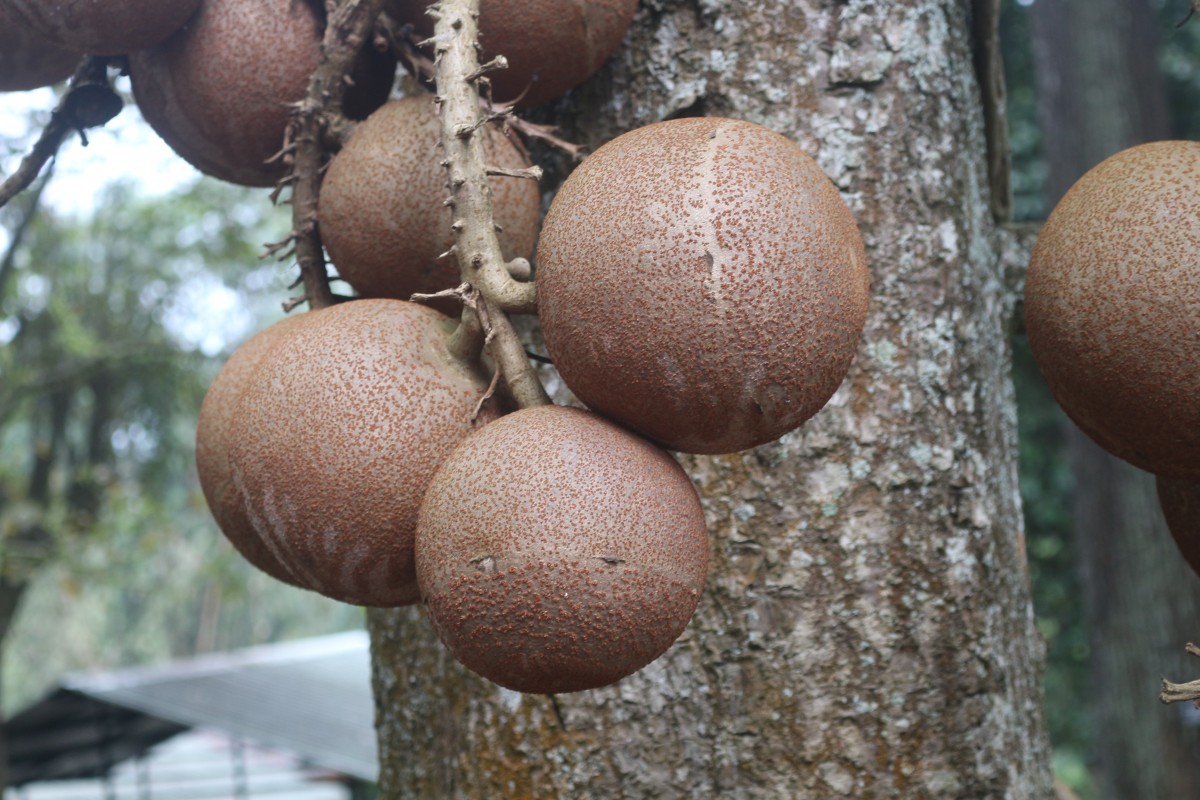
<point x="382" y="215"/>
<point x="338" y="434"/>
<point x="702" y="281"/>
<point x="108" y="28"/>
<point x="558" y="552"/>
<point x="1180" y="501"/>
<point x="27" y="60"/>
<point x="551" y="45"/>
<point x="1112" y="306"/>
<point x="217" y="417"/>
<point x="218" y="91"/>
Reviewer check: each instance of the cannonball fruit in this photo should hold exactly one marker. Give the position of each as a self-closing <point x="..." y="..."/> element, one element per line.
<point x="701" y="281"/>
<point x="381" y="208"/>
<point x="338" y="433"/>
<point x="1112" y="306"/>
<point x="218" y="91"/>
<point x="558" y="552"/>
<point x="1180" y="501"/>
<point x="28" y="60"/>
<point x="551" y="45"/>
<point x="217" y="416"/>
<point x="108" y="28"/>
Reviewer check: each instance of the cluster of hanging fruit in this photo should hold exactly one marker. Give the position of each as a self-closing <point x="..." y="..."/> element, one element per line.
<point x="700" y="284"/>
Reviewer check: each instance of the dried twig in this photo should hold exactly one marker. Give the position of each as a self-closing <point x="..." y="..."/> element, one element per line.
<point x="349" y="25"/>
<point x="481" y="263"/>
<point x="1180" y="692"/>
<point x="89" y="102"/>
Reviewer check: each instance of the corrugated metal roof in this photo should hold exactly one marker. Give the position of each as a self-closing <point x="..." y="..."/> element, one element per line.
<point x="311" y="697"/>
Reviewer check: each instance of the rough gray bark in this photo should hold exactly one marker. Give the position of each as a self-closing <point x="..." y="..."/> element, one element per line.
<point x="1100" y="91"/>
<point x="866" y="630"/>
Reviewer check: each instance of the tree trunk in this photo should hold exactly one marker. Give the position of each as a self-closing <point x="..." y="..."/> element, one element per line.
<point x="866" y="630"/>
<point x="1100" y="91"/>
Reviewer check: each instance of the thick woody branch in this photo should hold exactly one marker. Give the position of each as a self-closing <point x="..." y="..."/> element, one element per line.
<point x="481" y="262"/>
<point x="89" y="103"/>
<point x="349" y="25"/>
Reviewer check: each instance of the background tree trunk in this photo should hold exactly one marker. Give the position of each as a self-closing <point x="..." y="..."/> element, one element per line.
<point x="866" y="630"/>
<point x="1100" y="91"/>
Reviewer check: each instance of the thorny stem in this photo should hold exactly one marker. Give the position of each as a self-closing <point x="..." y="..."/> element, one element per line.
<point x="481" y="263"/>
<point x="89" y="103"/>
<point x="1179" y="692"/>
<point x="349" y="24"/>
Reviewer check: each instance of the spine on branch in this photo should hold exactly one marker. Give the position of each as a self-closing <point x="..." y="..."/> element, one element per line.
<point x="349" y="25"/>
<point x="481" y="262"/>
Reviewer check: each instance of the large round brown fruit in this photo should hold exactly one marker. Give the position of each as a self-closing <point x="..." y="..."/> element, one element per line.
<point x="338" y="434"/>
<point x="218" y="91"/>
<point x="1180" y="501"/>
<point x="551" y="45"/>
<point x="558" y="552"/>
<point x="28" y="60"/>
<point x="382" y="215"/>
<point x="702" y="281"/>
<point x="108" y="28"/>
<point x="218" y="414"/>
<point x="1112" y="306"/>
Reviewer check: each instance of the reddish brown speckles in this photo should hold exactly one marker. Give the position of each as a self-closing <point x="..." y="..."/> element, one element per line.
<point x="606" y="541"/>
<point x="217" y="416"/>
<point x="689" y="264"/>
<point x="1112" y="306"/>
<point x="551" y="45"/>
<point x="1180" y="501"/>
<point x="382" y="214"/>
<point x="338" y="434"/>
<point x="219" y="97"/>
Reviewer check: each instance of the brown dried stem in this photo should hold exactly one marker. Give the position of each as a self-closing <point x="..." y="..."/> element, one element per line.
<point x="89" y="103"/>
<point x="1181" y="692"/>
<point x="481" y="263"/>
<point x="348" y="26"/>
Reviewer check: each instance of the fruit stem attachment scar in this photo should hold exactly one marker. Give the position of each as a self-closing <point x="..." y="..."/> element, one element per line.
<point x="349" y="25"/>
<point x="456" y="34"/>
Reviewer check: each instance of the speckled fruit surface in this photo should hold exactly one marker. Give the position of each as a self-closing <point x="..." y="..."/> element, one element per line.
<point x="551" y="45"/>
<point x="27" y="60"/>
<point x="1180" y="501"/>
<point x="558" y="552"/>
<point x="381" y="209"/>
<point x="337" y="436"/>
<point x="108" y="28"/>
<point x="217" y="91"/>
<point x="702" y="281"/>
<point x="217" y="417"/>
<point x="1112" y="306"/>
